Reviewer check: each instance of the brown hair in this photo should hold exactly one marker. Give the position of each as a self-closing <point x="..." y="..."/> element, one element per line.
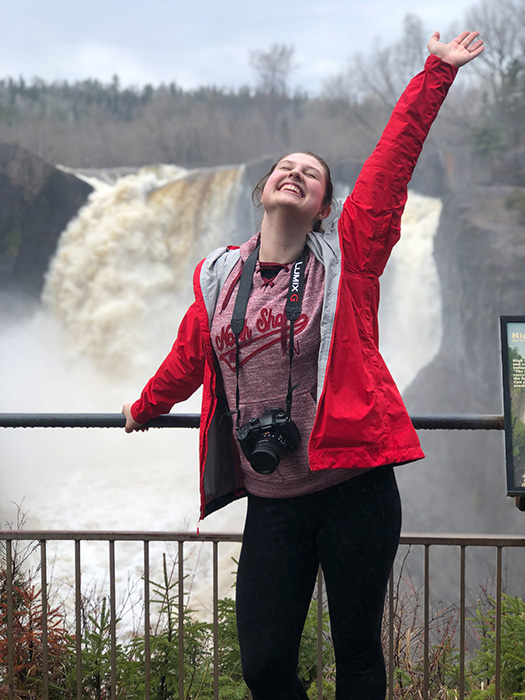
<point x="328" y="193"/>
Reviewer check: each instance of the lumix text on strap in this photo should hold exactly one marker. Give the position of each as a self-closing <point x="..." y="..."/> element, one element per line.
<point x="293" y="307"/>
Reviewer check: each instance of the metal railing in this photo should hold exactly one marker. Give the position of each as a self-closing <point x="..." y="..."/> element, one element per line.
<point x="43" y="538"/>
<point x="192" y="420"/>
<point x="77" y="538"/>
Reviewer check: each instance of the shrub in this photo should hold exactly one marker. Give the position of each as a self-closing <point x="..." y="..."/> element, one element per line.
<point x="483" y="666"/>
<point x="28" y="637"/>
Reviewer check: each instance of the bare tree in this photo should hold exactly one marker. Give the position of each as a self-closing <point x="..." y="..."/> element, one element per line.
<point x="500" y="135"/>
<point x="502" y="26"/>
<point x="384" y="73"/>
<point x="273" y="69"/>
<point x="411" y="50"/>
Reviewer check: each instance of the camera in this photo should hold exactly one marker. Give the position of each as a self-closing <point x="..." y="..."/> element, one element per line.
<point x="264" y="440"/>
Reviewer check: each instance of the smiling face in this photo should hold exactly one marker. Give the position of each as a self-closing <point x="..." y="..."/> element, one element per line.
<point x="299" y="181"/>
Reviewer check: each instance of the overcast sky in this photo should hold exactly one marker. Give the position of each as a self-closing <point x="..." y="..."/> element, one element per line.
<point x="201" y="43"/>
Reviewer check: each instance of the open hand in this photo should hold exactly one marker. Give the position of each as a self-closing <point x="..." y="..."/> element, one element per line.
<point x="463" y="49"/>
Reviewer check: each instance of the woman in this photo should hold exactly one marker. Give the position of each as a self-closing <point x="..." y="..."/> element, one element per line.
<point x="299" y="412"/>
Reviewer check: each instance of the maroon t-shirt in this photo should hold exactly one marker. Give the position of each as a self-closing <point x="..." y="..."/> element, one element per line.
<point x="264" y="367"/>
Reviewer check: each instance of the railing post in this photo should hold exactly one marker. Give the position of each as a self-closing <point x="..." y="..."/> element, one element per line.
<point x="78" y="620"/>
<point x="181" y="619"/>
<point x="43" y="597"/>
<point x="147" y="647"/>
<point x="320" y="634"/>
<point x="497" y="682"/>
<point x="391" y="635"/>
<point x="426" y="624"/>
<point x="10" y="621"/>
<point x="113" y="618"/>
<point x="462" y="614"/>
<point x="215" y="620"/>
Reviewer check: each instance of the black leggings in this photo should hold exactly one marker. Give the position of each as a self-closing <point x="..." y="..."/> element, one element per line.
<point x="352" y="530"/>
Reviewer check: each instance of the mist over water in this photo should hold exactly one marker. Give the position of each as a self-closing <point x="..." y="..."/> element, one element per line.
<point x="114" y="295"/>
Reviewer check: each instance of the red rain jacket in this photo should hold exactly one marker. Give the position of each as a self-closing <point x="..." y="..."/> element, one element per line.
<point x="361" y="420"/>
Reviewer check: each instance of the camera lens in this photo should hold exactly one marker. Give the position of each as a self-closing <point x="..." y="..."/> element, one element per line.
<point x="266" y="455"/>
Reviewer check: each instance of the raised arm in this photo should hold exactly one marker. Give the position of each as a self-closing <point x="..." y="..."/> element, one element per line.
<point x="370" y="223"/>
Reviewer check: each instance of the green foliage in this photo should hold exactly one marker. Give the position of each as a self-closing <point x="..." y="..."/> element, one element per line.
<point x="483" y="666"/>
<point x="96" y="654"/>
<point x="197" y="658"/>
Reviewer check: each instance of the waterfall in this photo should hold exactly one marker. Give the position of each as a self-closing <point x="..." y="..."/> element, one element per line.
<point x="410" y="307"/>
<point x="123" y="268"/>
<point x="114" y="295"/>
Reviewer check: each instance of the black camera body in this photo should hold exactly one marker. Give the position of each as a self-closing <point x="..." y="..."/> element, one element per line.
<point x="264" y="440"/>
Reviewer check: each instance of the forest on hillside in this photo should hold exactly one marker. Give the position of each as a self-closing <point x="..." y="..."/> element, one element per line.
<point x="89" y="124"/>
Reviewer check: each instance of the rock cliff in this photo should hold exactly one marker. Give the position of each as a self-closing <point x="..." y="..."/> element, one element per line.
<point x="461" y="485"/>
<point x="37" y="201"/>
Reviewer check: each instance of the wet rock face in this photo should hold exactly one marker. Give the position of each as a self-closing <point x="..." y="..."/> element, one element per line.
<point x="37" y="201"/>
<point x="480" y="255"/>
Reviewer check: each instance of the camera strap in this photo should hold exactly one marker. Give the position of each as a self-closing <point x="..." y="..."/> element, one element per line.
<point x="293" y="307"/>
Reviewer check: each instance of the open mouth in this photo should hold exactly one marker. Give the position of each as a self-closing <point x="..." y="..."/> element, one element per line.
<point x="291" y="187"/>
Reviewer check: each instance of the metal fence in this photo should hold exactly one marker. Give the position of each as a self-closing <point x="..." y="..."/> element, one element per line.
<point x="78" y="540"/>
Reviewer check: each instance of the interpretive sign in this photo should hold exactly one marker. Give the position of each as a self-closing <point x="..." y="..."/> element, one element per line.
<point x="513" y="359"/>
